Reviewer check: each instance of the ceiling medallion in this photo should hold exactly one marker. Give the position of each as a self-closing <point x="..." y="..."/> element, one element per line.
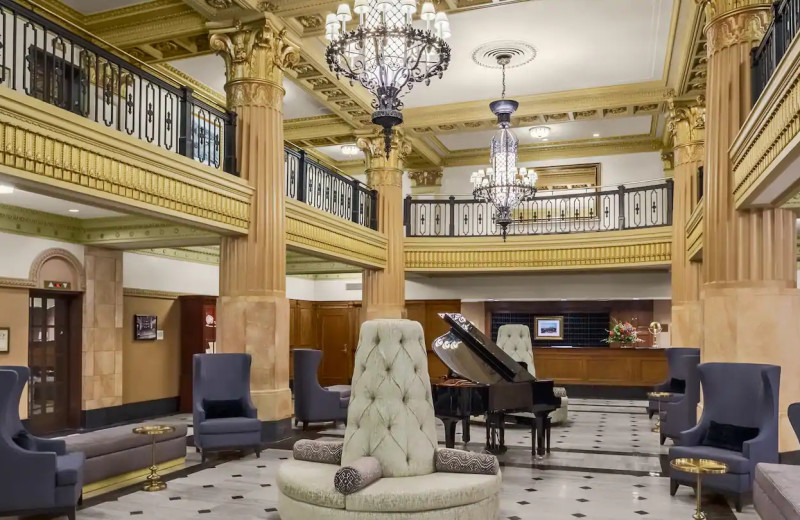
<point x="518" y="53"/>
<point x="503" y="184"/>
<point x="220" y="4"/>
<point x="386" y="54"/>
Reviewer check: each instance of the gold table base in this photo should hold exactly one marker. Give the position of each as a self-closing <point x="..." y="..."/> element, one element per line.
<point x="699" y="467"/>
<point x="657" y="396"/>
<point x="154" y="482"/>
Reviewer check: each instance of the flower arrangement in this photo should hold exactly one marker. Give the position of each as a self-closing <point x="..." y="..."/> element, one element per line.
<point x="623" y="332"/>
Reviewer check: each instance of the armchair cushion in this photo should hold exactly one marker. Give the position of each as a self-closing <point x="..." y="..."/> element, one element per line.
<point x="223" y="409"/>
<point x="310" y="482"/>
<point x="324" y="452"/>
<point x="736" y="462"/>
<point x="24" y="441"/>
<point x="229" y="425"/>
<point x="459" y="461"/>
<point x="677" y="386"/>
<point x="357" y="475"/>
<point x="433" y="491"/>
<point x="728" y="436"/>
<point x="69" y="469"/>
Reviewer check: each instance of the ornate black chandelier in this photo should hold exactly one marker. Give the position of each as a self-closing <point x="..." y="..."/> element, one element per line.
<point x="503" y="184"/>
<point x="386" y="54"/>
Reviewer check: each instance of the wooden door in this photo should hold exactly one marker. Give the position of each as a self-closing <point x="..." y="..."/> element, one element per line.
<point x="51" y="362"/>
<point x="302" y="329"/>
<point x="335" y="324"/>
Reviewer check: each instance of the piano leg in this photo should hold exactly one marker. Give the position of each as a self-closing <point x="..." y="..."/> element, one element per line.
<point x="502" y="425"/>
<point x="450" y="433"/>
<point x="548" y="425"/>
<point x="465" y="430"/>
<point x="540" y="434"/>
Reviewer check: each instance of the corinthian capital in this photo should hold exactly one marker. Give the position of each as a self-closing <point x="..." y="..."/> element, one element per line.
<point x="373" y="147"/>
<point x="732" y="22"/>
<point x="686" y="123"/>
<point x="258" y="50"/>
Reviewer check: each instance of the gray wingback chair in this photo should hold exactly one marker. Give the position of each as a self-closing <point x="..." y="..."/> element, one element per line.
<point x="222" y="383"/>
<point x="313" y="403"/>
<point x="739" y="394"/>
<point x="673" y="354"/>
<point x="515" y="340"/>
<point x="680" y="415"/>
<point x="391" y="419"/>
<point x="41" y="481"/>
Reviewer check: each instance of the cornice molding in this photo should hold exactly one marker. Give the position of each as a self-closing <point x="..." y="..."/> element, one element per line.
<point x="185" y="254"/>
<point x="147" y="293"/>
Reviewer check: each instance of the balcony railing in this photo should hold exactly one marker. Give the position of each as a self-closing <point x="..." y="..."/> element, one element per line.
<point x="319" y="186"/>
<point x="780" y="33"/>
<point x="638" y="205"/>
<point x="48" y="62"/>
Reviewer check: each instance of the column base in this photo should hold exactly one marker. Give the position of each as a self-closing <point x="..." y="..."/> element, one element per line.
<point x="259" y="326"/>
<point x="686" y="329"/>
<point x="273" y="431"/>
<point x="756" y="322"/>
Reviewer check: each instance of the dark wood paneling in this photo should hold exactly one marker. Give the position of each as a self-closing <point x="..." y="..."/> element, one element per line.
<point x="195" y="335"/>
<point x="601" y="366"/>
<point x="302" y="328"/>
<point x="426" y="312"/>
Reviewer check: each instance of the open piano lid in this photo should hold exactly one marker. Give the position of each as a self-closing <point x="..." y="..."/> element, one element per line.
<point x="470" y="354"/>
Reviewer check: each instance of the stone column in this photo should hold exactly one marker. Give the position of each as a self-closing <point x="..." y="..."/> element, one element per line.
<point x="686" y="125"/>
<point x="384" y="291"/>
<point x="253" y="311"/>
<point x="750" y="299"/>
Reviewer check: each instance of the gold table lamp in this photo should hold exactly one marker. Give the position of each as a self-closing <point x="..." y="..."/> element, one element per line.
<point x="699" y="467"/>
<point x="154" y="482"/>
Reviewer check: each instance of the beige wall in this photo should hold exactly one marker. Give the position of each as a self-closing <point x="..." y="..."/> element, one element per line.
<point x="151" y="369"/>
<point x="14" y="314"/>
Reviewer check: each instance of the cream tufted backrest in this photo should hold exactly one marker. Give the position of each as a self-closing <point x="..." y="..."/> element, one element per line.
<point x="515" y="340"/>
<point x="391" y="411"/>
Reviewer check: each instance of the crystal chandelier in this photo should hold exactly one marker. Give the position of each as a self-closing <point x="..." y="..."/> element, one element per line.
<point x="503" y="184"/>
<point x="386" y="54"/>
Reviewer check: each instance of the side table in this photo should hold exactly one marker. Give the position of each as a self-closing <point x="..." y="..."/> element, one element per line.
<point x="699" y="467"/>
<point x="154" y="482"/>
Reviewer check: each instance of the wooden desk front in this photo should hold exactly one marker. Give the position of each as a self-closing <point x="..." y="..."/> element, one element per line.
<point x="601" y="366"/>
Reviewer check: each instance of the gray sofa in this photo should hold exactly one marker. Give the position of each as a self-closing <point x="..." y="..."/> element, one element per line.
<point x="776" y="490"/>
<point x="391" y="419"/>
<point x="116" y="451"/>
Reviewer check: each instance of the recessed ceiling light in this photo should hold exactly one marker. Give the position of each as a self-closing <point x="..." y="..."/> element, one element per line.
<point x="545" y="139"/>
<point x="73" y="210"/>
<point x="540" y="132"/>
<point x="350" y="149"/>
<point x="5" y="189"/>
<point x="595" y="135"/>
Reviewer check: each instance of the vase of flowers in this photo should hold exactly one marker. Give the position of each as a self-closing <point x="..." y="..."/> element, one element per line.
<point x="622" y="334"/>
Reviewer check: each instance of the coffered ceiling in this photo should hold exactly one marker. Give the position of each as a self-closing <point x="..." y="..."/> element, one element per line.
<point x="602" y="67"/>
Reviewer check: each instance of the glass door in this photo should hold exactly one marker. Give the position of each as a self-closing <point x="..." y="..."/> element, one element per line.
<point x="49" y="362"/>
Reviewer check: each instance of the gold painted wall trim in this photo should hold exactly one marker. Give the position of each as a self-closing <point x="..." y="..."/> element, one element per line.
<point x="770" y="138"/>
<point x="322" y="234"/>
<point x="609" y="250"/>
<point x="17" y="283"/>
<point x="694" y="233"/>
<point x="198" y="255"/>
<point x="47" y="149"/>
<point x="146" y="293"/>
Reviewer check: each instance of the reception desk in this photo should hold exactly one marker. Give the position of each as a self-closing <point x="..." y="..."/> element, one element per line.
<point x="604" y="366"/>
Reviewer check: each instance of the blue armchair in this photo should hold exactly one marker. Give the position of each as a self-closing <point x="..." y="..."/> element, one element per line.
<point x="224" y="417"/>
<point x="312" y="402"/>
<point x="739" y="394"/>
<point x="42" y="482"/>
<point x="673" y="354"/>
<point x="681" y="415"/>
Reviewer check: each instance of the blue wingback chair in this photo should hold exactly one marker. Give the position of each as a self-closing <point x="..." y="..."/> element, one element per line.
<point x="673" y="354"/>
<point x="41" y="481"/>
<point x="224" y="417"/>
<point x="681" y="415"/>
<point x="740" y="394"/>
<point x="794" y="418"/>
<point x="312" y="402"/>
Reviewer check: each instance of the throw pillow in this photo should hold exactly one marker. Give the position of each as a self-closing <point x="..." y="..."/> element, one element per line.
<point x="677" y="386"/>
<point x="728" y="436"/>
<point x="358" y="475"/>
<point x="325" y="452"/>
<point x="457" y="461"/>
<point x="223" y="409"/>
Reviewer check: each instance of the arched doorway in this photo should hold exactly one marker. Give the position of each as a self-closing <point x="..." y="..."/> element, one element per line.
<point x="54" y="341"/>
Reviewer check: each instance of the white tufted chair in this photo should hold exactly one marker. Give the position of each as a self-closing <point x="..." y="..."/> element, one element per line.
<point x="515" y="340"/>
<point x="390" y="418"/>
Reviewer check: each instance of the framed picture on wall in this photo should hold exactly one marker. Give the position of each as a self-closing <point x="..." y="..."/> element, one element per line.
<point x="145" y="328"/>
<point x="5" y="339"/>
<point x="549" y="327"/>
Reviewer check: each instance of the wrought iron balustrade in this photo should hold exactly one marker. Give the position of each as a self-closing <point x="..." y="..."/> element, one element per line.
<point x="50" y="63"/>
<point x="319" y="186"/>
<point x="780" y="33"/>
<point x="569" y="211"/>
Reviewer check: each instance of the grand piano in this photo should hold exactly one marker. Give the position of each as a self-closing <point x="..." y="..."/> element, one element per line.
<point x="484" y="380"/>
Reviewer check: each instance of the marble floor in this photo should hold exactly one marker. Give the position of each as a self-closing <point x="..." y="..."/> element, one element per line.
<point x="605" y="464"/>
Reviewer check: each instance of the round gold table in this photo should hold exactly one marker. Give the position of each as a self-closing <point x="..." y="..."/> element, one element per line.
<point x="658" y="396"/>
<point x="154" y="482"/>
<point x="699" y="467"/>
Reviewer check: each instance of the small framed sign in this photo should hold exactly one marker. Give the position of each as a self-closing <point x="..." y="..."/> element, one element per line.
<point x="549" y="327"/>
<point x="5" y="340"/>
<point x="52" y="284"/>
<point x="145" y="327"/>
